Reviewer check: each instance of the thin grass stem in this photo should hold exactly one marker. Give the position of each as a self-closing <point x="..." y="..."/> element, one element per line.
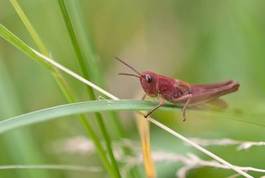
<point x="87" y="73"/>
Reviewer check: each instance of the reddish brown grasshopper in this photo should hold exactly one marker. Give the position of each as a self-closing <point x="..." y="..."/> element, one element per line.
<point x="180" y="92"/>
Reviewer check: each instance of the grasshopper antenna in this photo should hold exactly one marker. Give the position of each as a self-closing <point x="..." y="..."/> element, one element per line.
<point x="128" y="74"/>
<point x="132" y="68"/>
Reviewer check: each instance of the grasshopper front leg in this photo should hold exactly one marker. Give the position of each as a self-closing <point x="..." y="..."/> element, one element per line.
<point x="161" y="103"/>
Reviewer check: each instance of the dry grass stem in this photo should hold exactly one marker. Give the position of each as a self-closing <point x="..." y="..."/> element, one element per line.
<point x="242" y="145"/>
<point x="143" y="126"/>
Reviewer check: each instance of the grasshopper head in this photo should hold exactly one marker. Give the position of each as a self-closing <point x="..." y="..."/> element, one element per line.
<point x="149" y="83"/>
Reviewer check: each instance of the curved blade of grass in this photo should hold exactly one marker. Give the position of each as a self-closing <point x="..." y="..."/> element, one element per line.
<point x="88" y="70"/>
<point x="79" y="108"/>
<point x="76" y="108"/>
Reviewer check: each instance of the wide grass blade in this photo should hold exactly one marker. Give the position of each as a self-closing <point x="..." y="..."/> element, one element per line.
<point x="76" y="108"/>
<point x="79" y="108"/>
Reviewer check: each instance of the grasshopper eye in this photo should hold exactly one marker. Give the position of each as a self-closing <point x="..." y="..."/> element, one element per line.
<point x="148" y="78"/>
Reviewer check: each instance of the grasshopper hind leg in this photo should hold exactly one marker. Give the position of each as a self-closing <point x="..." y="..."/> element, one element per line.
<point x="185" y="100"/>
<point x="184" y="108"/>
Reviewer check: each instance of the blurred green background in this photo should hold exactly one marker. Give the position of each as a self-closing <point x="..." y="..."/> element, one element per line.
<point x="196" y="41"/>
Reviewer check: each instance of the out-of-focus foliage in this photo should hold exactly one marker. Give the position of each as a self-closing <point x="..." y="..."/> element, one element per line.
<point x="197" y="41"/>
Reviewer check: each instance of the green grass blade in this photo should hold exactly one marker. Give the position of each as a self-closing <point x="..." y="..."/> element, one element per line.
<point x="84" y="57"/>
<point x="90" y="57"/>
<point x="47" y="114"/>
<point x="29" y="27"/>
<point x="82" y="43"/>
<point x="76" y="108"/>
<point x="74" y="40"/>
